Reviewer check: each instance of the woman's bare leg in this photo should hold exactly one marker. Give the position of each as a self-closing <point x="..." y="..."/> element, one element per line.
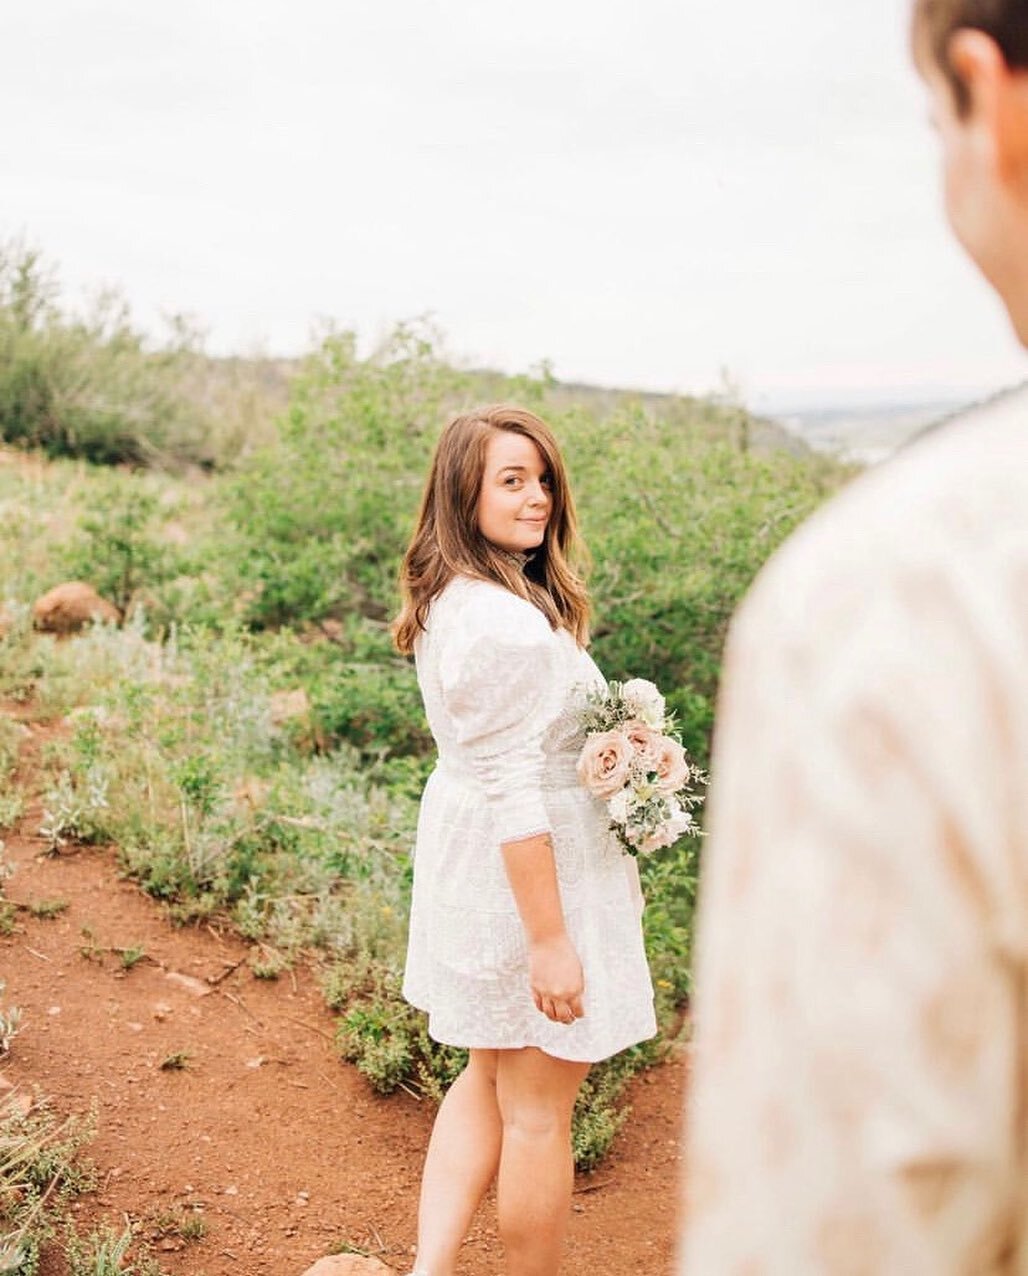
<point x="536" y="1096"/>
<point x="463" y="1157"/>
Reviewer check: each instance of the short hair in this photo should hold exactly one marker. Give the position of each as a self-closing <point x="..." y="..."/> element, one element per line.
<point x="935" y="21"/>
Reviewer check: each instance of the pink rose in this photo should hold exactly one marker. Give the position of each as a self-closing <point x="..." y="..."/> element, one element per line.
<point x="604" y="763"/>
<point x="671" y="765"/>
<point x="645" y="741"/>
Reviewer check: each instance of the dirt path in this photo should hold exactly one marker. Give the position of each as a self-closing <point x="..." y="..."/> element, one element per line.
<point x="283" y="1149"/>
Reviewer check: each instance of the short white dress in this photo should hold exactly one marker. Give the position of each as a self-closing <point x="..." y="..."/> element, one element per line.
<point x="503" y="694"/>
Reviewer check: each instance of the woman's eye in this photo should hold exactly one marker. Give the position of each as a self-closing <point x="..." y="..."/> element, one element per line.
<point x="547" y="480"/>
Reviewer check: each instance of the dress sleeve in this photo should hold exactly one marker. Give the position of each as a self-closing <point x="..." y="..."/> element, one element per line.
<point x="856" y="1102"/>
<point x="501" y="686"/>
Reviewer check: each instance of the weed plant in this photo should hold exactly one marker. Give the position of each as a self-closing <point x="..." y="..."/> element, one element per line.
<point x="104" y="1252"/>
<point x="11" y="801"/>
<point x="41" y="1171"/>
<point x="10" y="1022"/>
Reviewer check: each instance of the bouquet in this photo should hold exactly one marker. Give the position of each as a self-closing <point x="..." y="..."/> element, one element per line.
<point x="633" y="760"/>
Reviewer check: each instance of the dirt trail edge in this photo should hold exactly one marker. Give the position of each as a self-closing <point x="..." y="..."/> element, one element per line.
<point x="253" y="1121"/>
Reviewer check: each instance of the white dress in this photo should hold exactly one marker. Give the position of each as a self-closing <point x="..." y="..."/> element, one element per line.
<point x="502" y="693"/>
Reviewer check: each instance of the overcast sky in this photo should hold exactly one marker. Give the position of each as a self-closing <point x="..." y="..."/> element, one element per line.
<point x="644" y="192"/>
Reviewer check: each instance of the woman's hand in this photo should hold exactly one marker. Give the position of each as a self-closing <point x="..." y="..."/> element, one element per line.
<point x="554" y="969"/>
<point x="557" y="979"/>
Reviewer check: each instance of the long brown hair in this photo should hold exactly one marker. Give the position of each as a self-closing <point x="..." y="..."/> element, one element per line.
<point x="447" y="541"/>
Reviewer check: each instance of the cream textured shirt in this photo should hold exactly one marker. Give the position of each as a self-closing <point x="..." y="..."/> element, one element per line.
<point x="859" y="1093"/>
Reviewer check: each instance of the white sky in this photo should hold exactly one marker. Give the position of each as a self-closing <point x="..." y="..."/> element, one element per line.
<point x="645" y="192"/>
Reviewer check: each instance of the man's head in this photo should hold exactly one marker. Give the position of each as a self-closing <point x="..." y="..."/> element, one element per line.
<point x="973" y="55"/>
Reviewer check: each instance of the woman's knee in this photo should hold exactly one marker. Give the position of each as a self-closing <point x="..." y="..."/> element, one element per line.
<point x="536" y="1093"/>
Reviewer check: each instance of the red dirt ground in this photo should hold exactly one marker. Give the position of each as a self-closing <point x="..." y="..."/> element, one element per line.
<point x="284" y="1149"/>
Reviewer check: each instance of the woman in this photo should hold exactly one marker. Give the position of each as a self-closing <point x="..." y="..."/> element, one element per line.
<point x="525" y="935"/>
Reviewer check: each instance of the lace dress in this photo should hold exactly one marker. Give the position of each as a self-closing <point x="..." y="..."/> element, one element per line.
<point x="502" y="693"/>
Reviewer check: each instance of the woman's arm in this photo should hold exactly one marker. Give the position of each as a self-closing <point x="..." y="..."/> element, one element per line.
<point x="556" y="972"/>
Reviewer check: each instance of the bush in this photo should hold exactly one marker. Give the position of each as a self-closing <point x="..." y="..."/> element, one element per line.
<point x="323" y="515"/>
<point x="679" y="520"/>
<point x="116" y="548"/>
<point x="90" y="386"/>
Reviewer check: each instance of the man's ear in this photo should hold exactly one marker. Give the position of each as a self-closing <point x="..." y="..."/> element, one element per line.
<point x="998" y="98"/>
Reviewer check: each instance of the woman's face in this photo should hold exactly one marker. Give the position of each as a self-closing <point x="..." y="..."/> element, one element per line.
<point x="516" y="500"/>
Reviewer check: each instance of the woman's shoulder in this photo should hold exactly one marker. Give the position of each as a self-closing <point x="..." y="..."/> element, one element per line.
<point x="483" y="608"/>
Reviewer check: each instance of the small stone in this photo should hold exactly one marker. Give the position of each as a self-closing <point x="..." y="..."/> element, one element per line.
<point x="70" y="607"/>
<point x="54" y="1010"/>
<point x="231" y="1190"/>
<point x="195" y="986"/>
<point x="348" y="1265"/>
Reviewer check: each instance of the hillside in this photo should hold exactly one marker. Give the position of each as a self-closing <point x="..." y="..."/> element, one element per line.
<point x="241" y="743"/>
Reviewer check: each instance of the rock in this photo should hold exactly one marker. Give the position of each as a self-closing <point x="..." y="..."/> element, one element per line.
<point x="70" y="607"/>
<point x="195" y="986"/>
<point x="349" y="1265"/>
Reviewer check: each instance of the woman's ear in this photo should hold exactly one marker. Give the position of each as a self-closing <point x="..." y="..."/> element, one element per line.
<point x="997" y="100"/>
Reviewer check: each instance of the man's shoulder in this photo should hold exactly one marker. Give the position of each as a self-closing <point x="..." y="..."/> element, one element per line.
<point x="955" y="503"/>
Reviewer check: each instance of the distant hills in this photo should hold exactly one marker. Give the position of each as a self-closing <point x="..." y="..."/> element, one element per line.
<point x="866" y="435"/>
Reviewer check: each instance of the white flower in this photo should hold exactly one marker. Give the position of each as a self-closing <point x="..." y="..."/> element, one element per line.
<point x="645" y="701"/>
<point x="617" y="807"/>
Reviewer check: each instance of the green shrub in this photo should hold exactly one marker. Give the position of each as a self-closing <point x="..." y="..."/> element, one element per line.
<point x="116" y="549"/>
<point x="86" y="386"/>
<point x="385" y="1037"/>
<point x="323" y="515"/>
<point x="89" y="385"/>
<point x="678" y="523"/>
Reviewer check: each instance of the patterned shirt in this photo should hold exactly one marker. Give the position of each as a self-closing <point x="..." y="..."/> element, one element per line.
<point x="859" y="1101"/>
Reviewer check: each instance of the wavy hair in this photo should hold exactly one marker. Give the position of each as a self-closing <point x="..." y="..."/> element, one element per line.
<point x="447" y="541"/>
